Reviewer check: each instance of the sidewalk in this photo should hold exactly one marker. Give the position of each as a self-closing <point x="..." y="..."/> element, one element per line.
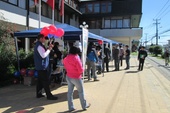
<point x="124" y="91"/>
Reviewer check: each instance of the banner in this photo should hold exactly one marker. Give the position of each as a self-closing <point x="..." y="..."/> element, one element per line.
<point x="84" y="46"/>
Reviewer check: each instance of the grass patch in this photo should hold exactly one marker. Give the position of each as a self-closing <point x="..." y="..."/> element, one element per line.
<point x="134" y="53"/>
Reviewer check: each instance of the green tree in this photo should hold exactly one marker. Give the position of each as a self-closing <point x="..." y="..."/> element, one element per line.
<point x="157" y="50"/>
<point x="151" y="49"/>
<point x="7" y="49"/>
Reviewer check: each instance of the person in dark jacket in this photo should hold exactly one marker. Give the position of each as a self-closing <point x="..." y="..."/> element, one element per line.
<point x="116" y="57"/>
<point x="121" y="54"/>
<point x="41" y="60"/>
<point x="57" y="54"/>
<point x="107" y="58"/>
<point x="56" y="61"/>
<point x="127" y="57"/>
<point x="141" y="57"/>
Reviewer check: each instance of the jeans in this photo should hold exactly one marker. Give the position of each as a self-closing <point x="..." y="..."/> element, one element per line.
<point x="79" y="85"/>
<point x="91" y="67"/>
<point x="127" y="62"/>
<point x="116" y="64"/>
<point x="166" y="61"/>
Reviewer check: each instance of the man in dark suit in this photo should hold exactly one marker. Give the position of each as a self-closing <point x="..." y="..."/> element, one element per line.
<point x="116" y="57"/>
<point x="107" y="58"/>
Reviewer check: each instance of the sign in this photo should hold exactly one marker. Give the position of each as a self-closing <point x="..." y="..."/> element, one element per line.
<point x="84" y="46"/>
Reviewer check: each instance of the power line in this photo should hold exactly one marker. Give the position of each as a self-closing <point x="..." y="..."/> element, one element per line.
<point x="166" y="13"/>
<point x="165" y="31"/>
<point x="161" y="9"/>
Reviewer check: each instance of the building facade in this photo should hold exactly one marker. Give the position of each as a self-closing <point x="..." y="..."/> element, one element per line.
<point x="113" y="19"/>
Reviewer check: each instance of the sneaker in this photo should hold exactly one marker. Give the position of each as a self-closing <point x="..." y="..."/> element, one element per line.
<point x="96" y="80"/>
<point x="52" y="98"/>
<point x="72" y="110"/>
<point x="89" y="79"/>
<point x="87" y="106"/>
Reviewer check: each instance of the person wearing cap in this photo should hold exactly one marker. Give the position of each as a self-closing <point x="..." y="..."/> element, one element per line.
<point x="92" y="59"/>
<point x="74" y="71"/>
<point x="141" y="57"/>
<point x="41" y="60"/>
<point x="127" y="57"/>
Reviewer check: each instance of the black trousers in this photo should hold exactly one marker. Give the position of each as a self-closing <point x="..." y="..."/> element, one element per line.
<point x="107" y="66"/>
<point x="121" y="60"/>
<point x="43" y="82"/>
<point x="141" y="63"/>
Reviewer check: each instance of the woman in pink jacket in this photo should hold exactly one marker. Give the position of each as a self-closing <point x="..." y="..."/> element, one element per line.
<point x="74" y="69"/>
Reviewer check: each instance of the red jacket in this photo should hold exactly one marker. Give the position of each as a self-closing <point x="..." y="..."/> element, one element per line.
<point x="73" y="66"/>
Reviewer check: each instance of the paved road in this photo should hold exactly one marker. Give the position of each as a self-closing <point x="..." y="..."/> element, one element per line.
<point x="124" y="91"/>
<point x="159" y="64"/>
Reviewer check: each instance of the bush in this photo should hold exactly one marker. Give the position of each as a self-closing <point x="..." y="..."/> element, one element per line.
<point x="151" y="49"/>
<point x="26" y="59"/>
<point x="7" y="52"/>
<point x="157" y="50"/>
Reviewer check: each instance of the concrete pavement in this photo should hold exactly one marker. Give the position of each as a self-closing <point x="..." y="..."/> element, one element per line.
<point x="124" y="91"/>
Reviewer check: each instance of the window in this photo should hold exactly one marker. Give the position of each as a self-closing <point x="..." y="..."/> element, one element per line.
<point x="32" y="7"/>
<point x="107" y="24"/>
<point x="92" y="25"/>
<point x="49" y="12"/>
<point x="106" y="7"/>
<point x="119" y="23"/>
<point x="44" y="11"/>
<point x="126" y="22"/>
<point x="55" y="14"/>
<point x="98" y="24"/>
<point x="103" y="7"/>
<point x="67" y="19"/>
<point x="22" y="4"/>
<point x="109" y="7"/>
<point x="13" y="2"/>
<point x="96" y="8"/>
<point x="89" y="8"/>
<point x="113" y="23"/>
<point x="82" y="8"/>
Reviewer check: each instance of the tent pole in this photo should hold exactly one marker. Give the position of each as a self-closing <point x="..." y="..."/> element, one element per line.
<point x="102" y="57"/>
<point x="16" y="46"/>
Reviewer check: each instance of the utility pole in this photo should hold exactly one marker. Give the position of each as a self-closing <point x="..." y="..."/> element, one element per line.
<point x="157" y="30"/>
<point x="146" y="39"/>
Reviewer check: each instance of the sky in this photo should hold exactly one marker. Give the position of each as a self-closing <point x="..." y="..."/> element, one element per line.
<point x="152" y="10"/>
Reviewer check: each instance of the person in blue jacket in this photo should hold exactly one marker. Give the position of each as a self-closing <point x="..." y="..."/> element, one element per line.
<point x="41" y="60"/>
<point x="92" y="59"/>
